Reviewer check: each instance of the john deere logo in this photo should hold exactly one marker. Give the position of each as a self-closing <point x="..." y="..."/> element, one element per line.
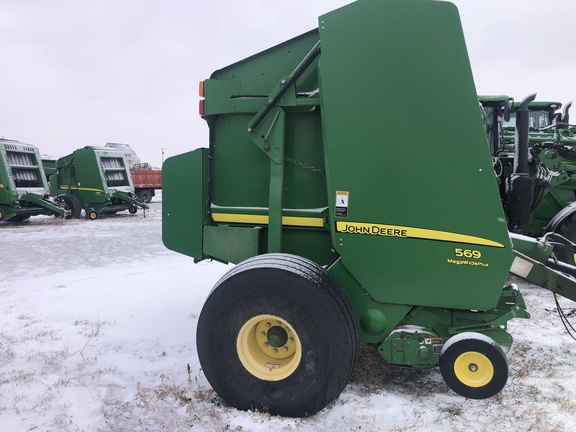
<point x="411" y="232"/>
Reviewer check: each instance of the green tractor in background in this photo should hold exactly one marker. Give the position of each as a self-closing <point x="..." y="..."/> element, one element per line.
<point x="534" y="155"/>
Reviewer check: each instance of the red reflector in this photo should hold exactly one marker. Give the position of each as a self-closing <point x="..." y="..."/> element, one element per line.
<point x="201" y="107"/>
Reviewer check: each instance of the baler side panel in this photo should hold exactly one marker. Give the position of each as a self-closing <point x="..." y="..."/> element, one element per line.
<point x="260" y="73"/>
<point x="245" y="183"/>
<point x="407" y="182"/>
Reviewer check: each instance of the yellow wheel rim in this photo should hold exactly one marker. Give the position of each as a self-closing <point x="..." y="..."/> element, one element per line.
<point x="474" y="369"/>
<point x="269" y="348"/>
<point x="93" y="215"/>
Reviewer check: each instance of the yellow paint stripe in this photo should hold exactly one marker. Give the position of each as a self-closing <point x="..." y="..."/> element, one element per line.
<point x="80" y="189"/>
<point x="263" y="219"/>
<point x="410" y="232"/>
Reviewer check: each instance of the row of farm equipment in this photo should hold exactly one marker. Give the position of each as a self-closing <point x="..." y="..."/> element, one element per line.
<point x="355" y="213"/>
<point x="533" y="149"/>
<point x="92" y="181"/>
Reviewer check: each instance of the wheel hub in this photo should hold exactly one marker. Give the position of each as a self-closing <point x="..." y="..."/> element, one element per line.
<point x="268" y="347"/>
<point x="473" y="369"/>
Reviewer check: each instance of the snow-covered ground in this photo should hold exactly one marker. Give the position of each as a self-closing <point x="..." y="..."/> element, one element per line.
<point x="97" y="333"/>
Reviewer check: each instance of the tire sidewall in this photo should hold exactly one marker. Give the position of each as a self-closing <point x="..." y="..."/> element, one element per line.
<point x="73" y="204"/>
<point x="493" y="352"/>
<point x="310" y="313"/>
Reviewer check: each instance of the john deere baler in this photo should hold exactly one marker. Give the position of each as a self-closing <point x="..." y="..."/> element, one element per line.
<point x="96" y="180"/>
<point x="354" y="214"/>
<point x="23" y="187"/>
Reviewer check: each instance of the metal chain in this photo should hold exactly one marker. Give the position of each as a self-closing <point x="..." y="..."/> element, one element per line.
<point x="303" y="165"/>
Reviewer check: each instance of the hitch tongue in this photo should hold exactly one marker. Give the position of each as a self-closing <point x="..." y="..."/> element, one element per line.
<point x="535" y="262"/>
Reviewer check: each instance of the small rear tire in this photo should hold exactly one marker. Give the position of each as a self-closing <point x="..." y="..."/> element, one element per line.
<point x="2" y="214"/>
<point x="133" y="209"/>
<point x="474" y="366"/>
<point x="278" y="333"/>
<point x="92" y="214"/>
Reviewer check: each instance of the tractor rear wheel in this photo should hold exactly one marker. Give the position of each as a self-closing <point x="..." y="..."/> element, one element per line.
<point x="278" y="333"/>
<point x="474" y="366"/>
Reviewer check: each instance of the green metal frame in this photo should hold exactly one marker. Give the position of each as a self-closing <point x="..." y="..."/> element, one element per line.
<point x="23" y="187"/>
<point x="99" y="177"/>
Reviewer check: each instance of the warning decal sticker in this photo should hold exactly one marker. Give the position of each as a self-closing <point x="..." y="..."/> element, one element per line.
<point x="341" y="204"/>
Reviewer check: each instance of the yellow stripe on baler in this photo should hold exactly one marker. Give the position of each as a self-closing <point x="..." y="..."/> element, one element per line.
<point x="263" y="219"/>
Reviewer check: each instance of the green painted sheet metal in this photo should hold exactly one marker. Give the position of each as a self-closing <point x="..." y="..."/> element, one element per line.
<point x="260" y="73"/>
<point x="20" y="167"/>
<point x="418" y="219"/>
<point x="184" y="202"/>
<point x="274" y="176"/>
<point x="231" y="244"/>
<point x="23" y="186"/>
<point x="99" y="177"/>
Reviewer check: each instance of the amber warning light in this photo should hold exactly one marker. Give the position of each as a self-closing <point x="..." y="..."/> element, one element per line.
<point x="201" y="93"/>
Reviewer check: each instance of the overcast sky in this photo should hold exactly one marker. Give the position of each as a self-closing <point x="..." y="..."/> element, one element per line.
<point x="88" y="72"/>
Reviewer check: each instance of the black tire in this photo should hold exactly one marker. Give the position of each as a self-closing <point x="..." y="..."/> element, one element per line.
<point x="133" y="209"/>
<point x="2" y="214"/>
<point x="72" y="203"/>
<point x="474" y="366"/>
<point x="92" y="214"/>
<point x="294" y="305"/>
<point x="145" y="195"/>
